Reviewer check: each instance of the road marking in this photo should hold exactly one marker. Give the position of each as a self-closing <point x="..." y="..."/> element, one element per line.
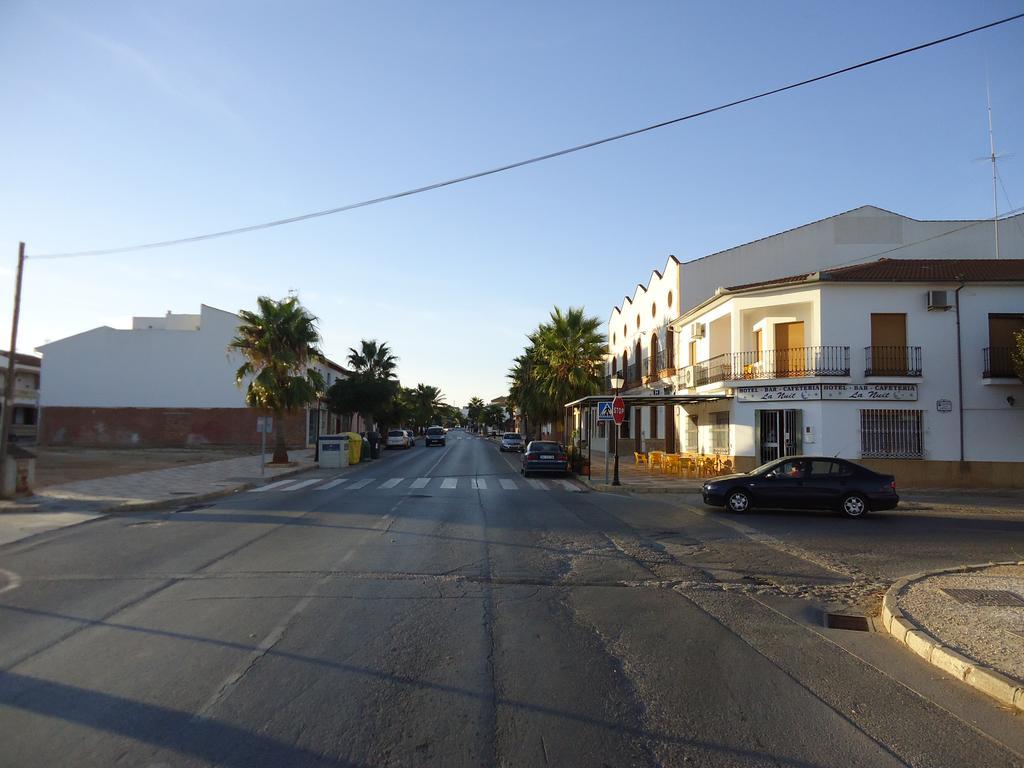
<point x="13" y="580"/>
<point x="450" y="482"/>
<point x="478" y="483"/>
<point x="508" y="485"/>
<point x="537" y="484"/>
<point x="332" y="484"/>
<point x="420" y="482"/>
<point x="360" y="484"/>
<point x="272" y="486"/>
<point x="569" y="486"/>
<point x="392" y="482"/>
<point x="302" y="484"/>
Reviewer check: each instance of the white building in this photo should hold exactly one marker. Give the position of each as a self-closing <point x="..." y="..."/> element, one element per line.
<point x="653" y="343"/>
<point x="167" y="381"/>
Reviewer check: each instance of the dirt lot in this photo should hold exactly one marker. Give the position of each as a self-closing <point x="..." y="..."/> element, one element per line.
<point x="66" y="465"/>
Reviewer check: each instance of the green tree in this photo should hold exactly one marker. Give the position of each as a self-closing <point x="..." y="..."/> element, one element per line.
<point x="427" y="404"/>
<point x="563" y="361"/>
<point x="373" y="359"/>
<point x="494" y="416"/>
<point x="279" y="342"/>
<point x="375" y="399"/>
<point x="475" y="410"/>
<point x="1017" y="354"/>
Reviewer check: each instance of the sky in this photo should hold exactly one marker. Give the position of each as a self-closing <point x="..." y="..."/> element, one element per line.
<point x="135" y="122"/>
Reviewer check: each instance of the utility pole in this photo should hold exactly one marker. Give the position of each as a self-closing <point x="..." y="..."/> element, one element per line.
<point x="995" y="173"/>
<point x="8" y="415"/>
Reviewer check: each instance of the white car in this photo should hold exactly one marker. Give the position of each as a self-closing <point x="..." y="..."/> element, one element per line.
<point x="397" y="438"/>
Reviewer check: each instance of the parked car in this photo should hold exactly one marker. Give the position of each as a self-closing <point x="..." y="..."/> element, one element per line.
<point x="435" y="436"/>
<point x="511" y="441"/>
<point x="397" y="438"/>
<point x="804" y="482"/>
<point x="544" y="456"/>
<point x="412" y="438"/>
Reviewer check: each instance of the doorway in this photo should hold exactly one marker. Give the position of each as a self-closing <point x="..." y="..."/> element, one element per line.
<point x="778" y="433"/>
<point x="789" y="349"/>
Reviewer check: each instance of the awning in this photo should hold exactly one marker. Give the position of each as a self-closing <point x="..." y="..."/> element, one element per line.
<point x="673" y="399"/>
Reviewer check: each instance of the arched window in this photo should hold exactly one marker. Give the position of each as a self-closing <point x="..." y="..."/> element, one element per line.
<point x="670" y="348"/>
<point x="655" y="365"/>
<point x="638" y="359"/>
<point x="625" y="364"/>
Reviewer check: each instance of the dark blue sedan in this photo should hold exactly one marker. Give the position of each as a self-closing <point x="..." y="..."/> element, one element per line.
<point x="544" y="456"/>
<point x="804" y="482"/>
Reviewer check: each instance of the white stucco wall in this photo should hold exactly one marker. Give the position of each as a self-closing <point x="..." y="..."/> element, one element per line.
<point x="144" y="368"/>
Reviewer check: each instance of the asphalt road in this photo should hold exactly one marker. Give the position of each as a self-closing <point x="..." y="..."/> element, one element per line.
<point x="436" y="609"/>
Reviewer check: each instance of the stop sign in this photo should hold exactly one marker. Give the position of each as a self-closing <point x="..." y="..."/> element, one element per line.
<point x="618" y="410"/>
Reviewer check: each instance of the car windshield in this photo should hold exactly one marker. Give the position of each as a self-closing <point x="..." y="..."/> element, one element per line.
<point x="435" y="431"/>
<point x="396" y="433"/>
<point x="512" y="436"/>
<point x="764" y="467"/>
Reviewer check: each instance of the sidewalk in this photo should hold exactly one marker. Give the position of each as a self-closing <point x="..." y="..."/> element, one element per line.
<point x="58" y="506"/>
<point x="968" y="621"/>
<point x="634" y="478"/>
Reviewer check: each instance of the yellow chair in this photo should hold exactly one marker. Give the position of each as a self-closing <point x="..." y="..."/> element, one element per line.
<point x="640" y="459"/>
<point x="656" y="460"/>
<point x="673" y="463"/>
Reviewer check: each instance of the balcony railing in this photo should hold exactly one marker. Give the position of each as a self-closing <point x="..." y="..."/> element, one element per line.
<point x="799" y="362"/>
<point x="998" y="364"/>
<point x="892" y="361"/>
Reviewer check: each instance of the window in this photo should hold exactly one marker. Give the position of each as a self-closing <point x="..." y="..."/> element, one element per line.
<point x="670" y="299"/>
<point x="822" y="468"/>
<point x="720" y="432"/>
<point x="653" y="421"/>
<point x="758" y="344"/>
<point x="891" y="434"/>
<point x="693" y="353"/>
<point x="654" y="308"/>
<point x="691" y="434"/>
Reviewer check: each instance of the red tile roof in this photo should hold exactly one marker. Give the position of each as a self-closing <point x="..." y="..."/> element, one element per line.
<point x="910" y="271"/>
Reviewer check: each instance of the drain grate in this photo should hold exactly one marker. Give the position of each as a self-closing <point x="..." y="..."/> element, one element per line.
<point x="420" y="496"/>
<point x="987" y="598"/>
<point x="844" y="621"/>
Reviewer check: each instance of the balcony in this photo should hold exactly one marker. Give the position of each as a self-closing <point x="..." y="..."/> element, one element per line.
<point x="998" y="363"/>
<point x="892" y="361"/>
<point x="657" y="367"/>
<point x="799" y="362"/>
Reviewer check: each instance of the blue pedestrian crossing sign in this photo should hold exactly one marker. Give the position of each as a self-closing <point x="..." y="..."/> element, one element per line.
<point x="604" y="410"/>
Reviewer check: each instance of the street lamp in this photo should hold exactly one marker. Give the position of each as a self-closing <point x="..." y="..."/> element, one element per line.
<point x="616" y="381"/>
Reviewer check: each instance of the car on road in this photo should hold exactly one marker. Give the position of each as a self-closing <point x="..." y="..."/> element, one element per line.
<point x="511" y="441"/>
<point x="397" y="438"/>
<point x="435" y="436"/>
<point x="804" y="482"/>
<point x="544" y="456"/>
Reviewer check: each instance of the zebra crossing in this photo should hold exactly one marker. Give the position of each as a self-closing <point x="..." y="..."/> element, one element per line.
<point x="409" y="484"/>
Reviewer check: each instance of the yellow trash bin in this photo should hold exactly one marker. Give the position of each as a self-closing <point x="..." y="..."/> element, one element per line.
<point x="355" y="447"/>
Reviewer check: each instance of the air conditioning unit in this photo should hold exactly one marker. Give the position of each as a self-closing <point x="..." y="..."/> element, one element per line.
<point x="938" y="300"/>
<point x="696" y="330"/>
<point x="688" y="377"/>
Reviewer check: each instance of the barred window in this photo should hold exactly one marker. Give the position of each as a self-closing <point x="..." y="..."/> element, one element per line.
<point x="891" y="434"/>
<point x="720" y="432"/>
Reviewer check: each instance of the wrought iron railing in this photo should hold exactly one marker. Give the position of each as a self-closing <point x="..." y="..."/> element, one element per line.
<point x="998" y="363"/>
<point x="773" y="364"/>
<point x="892" y="361"/>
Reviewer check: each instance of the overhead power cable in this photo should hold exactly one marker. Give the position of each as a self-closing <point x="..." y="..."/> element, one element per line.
<point x="529" y="161"/>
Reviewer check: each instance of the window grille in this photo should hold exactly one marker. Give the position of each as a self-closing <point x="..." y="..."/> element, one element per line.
<point x="720" y="432"/>
<point x="891" y="434"/>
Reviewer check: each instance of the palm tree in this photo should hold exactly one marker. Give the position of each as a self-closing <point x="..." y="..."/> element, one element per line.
<point x="427" y="403"/>
<point x="373" y="359"/>
<point x="279" y="343"/>
<point x="475" y="410"/>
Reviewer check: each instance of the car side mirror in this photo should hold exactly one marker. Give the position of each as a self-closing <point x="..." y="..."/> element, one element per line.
<point x="770" y="476"/>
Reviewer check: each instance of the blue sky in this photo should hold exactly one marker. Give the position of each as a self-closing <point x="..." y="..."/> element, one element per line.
<point x="131" y="122"/>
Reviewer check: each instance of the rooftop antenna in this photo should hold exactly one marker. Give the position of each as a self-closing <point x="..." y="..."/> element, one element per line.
<point x="992" y="157"/>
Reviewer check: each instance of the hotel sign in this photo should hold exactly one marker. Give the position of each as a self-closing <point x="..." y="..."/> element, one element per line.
<point x="791" y="392"/>
<point x="869" y="391"/>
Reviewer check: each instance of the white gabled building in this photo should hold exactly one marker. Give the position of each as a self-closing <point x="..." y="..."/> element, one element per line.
<point x="664" y="336"/>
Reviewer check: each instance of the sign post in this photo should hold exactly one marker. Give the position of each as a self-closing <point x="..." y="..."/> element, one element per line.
<point x="264" y="424"/>
<point x="618" y="416"/>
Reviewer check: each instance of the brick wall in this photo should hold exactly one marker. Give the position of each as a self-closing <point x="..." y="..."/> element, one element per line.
<point x="160" y="427"/>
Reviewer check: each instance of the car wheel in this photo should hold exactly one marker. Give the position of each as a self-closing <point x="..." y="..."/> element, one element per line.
<point x="738" y="501"/>
<point x="854" y="506"/>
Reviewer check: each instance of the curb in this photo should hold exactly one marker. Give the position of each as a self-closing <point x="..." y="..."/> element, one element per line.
<point x="982" y="677"/>
<point x="625" y="488"/>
